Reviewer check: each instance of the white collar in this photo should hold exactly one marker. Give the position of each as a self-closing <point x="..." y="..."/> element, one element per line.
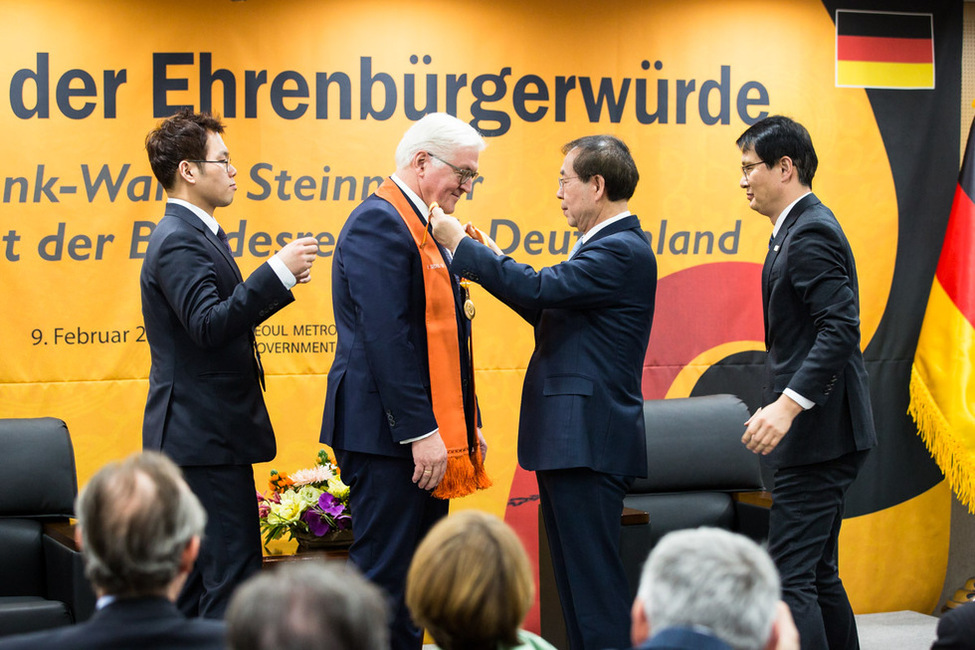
<point x="603" y="224"/>
<point x="785" y="213"/>
<point x="210" y="222"/>
<point x="421" y="207"/>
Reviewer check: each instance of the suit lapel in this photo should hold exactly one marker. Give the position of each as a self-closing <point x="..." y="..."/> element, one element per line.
<point x="775" y="247"/>
<point x="454" y="280"/>
<point x="182" y="213"/>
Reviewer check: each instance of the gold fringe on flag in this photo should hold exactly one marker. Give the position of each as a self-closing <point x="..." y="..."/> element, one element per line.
<point x="941" y="439"/>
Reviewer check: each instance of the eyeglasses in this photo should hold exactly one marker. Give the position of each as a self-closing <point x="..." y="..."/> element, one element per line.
<point x="564" y="179"/>
<point x="747" y="169"/>
<point x="464" y="174"/>
<point x="225" y="163"/>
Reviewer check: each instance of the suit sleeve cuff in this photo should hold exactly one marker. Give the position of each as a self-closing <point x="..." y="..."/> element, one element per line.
<point x="281" y="270"/>
<point x="426" y="435"/>
<point x="806" y="404"/>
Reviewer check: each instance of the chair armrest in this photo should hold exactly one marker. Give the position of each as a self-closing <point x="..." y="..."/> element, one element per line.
<point x="634" y="517"/>
<point x="65" y="570"/>
<point x="61" y="532"/>
<point x="761" y="498"/>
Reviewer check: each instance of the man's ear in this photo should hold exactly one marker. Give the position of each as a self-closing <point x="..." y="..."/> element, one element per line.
<point x="639" y="625"/>
<point x="787" y="168"/>
<point x="600" y="185"/>
<point x="190" y="554"/>
<point x="784" y="635"/>
<point x="187" y="171"/>
<point x="420" y="162"/>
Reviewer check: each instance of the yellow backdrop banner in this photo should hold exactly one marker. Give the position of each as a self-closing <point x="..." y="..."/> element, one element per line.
<point x="316" y="96"/>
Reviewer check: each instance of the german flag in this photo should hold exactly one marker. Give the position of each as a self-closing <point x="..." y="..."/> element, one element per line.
<point x="884" y="50"/>
<point x="943" y="373"/>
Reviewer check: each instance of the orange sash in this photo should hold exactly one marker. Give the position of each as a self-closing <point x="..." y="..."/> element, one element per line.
<point x="465" y="468"/>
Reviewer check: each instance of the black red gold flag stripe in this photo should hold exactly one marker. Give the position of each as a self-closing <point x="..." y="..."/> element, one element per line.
<point x="884" y="49"/>
<point x="942" y="377"/>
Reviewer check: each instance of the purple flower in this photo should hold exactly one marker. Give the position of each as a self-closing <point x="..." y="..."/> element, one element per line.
<point x="330" y="505"/>
<point x="316" y="525"/>
<point x="263" y="506"/>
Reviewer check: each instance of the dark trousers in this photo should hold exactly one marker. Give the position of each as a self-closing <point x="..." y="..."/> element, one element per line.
<point x="390" y="515"/>
<point x="804" y="530"/>
<point x="581" y="509"/>
<point x="231" y="549"/>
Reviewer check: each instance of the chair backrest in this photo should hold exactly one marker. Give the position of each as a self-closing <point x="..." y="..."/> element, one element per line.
<point x="37" y="471"/>
<point x="694" y="444"/>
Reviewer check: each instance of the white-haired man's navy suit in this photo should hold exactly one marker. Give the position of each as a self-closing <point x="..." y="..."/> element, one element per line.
<point x="379" y="396"/>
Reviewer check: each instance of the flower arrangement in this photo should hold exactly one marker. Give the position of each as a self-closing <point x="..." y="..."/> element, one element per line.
<point x="311" y="502"/>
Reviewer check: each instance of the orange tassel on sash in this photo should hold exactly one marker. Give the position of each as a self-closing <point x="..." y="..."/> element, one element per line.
<point x="465" y="468"/>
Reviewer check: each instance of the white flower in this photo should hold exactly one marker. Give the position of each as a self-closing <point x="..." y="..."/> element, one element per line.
<point x="317" y="474"/>
<point x="308" y="496"/>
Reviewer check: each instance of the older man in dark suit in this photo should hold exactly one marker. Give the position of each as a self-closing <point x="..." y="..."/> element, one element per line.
<point x="400" y="410"/>
<point x="581" y="426"/>
<point x="205" y="408"/>
<point x="817" y="422"/>
<point x="139" y="528"/>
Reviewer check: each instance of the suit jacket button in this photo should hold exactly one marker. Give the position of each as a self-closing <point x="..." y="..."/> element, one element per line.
<point x="390" y="419"/>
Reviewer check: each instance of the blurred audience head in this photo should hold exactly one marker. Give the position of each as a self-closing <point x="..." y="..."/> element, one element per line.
<point x="708" y="578"/>
<point x="308" y="605"/>
<point x="470" y="583"/>
<point x="140" y="527"/>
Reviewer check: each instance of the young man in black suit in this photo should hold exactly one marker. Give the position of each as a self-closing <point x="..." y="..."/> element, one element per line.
<point x="816" y="424"/>
<point x="139" y="529"/>
<point x="205" y="408"/>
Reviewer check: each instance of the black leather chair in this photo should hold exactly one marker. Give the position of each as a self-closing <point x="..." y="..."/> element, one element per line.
<point x="42" y="583"/>
<point x="699" y="474"/>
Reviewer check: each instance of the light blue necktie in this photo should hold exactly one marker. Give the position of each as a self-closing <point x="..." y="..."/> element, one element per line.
<point x="575" y="248"/>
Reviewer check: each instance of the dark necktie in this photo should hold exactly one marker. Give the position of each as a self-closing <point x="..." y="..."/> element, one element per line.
<point x="222" y="236"/>
<point x="771" y="238"/>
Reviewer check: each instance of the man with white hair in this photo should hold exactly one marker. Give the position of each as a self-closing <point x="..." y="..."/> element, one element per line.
<point x="710" y="589"/>
<point x="400" y="410"/>
<point x="139" y="528"/>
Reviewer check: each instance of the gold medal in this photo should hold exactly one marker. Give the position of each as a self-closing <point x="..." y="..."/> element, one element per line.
<point x="469" y="309"/>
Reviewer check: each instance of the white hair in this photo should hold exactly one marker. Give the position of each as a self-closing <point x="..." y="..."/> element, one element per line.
<point x="713" y="578"/>
<point x="438" y="133"/>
